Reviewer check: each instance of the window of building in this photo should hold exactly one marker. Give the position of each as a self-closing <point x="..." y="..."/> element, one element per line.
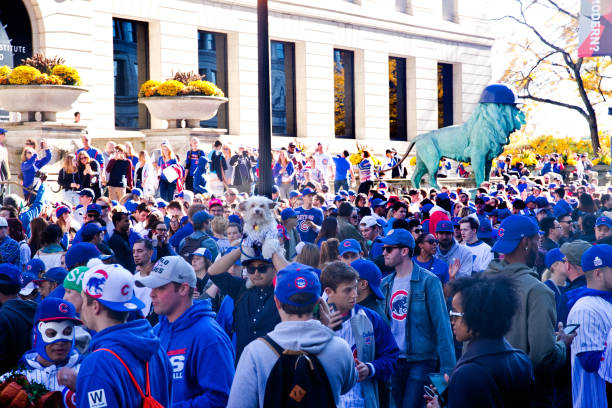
<point x="212" y="63"/>
<point x="398" y="127"/>
<point x="282" y="72"/>
<point x="449" y="10"/>
<point x="131" y="69"/>
<point x="403" y="6"/>
<point x="344" y="91"/>
<point x="445" y="95"/>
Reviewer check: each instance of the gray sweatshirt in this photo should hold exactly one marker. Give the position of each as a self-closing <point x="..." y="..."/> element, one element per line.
<point x="257" y="360"/>
<point x="458" y="252"/>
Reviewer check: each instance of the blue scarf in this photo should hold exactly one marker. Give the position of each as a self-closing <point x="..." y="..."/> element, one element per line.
<point x="574" y="295"/>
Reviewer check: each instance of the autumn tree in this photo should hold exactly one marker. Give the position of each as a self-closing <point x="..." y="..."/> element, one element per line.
<point x="545" y="67"/>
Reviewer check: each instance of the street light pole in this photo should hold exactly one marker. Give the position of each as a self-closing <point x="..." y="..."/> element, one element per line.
<point x="264" y="186"/>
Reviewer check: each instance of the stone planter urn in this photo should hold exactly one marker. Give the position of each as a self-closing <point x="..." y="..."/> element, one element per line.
<point x="46" y="99"/>
<point x="191" y="108"/>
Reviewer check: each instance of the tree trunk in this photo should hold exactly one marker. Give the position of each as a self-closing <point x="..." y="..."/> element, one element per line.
<point x="592" y="119"/>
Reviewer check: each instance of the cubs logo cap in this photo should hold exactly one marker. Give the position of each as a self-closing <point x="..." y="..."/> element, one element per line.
<point x="399" y="236"/>
<point x="512" y="230"/>
<point x="598" y="256"/>
<point x="307" y="191"/>
<point x="113" y="286"/>
<point x="52" y="309"/>
<point x="169" y="269"/>
<point x="349" y="245"/>
<point x="445" y="226"/>
<point x="297" y="278"/>
<point x="604" y="220"/>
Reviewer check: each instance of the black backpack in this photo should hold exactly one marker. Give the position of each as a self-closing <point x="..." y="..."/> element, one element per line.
<point x="191" y="245"/>
<point x="296" y="380"/>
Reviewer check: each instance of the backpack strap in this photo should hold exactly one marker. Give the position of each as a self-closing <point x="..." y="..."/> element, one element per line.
<point x="278" y="350"/>
<point x="148" y="387"/>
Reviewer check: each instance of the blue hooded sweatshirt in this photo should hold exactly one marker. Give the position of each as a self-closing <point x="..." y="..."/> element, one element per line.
<point x="201" y="355"/>
<point x="104" y="382"/>
<point x="32" y="165"/>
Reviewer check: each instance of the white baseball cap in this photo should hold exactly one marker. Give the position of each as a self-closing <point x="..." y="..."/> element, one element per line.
<point x="169" y="269"/>
<point x="368" y="221"/>
<point x="113" y="286"/>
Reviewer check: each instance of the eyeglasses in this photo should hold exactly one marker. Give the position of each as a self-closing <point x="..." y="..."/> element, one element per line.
<point x="566" y="222"/>
<point x="389" y="249"/>
<point x="104" y="207"/>
<point x="432" y="241"/>
<point x="161" y="229"/>
<point x="261" y="269"/>
<point x="418" y="230"/>
<point x="454" y="315"/>
<point x="354" y="217"/>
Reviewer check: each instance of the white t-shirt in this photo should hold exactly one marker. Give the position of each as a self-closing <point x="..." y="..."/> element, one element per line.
<point x="481" y="256"/>
<point x="143" y="294"/>
<point x="594" y="315"/>
<point x="322" y="163"/>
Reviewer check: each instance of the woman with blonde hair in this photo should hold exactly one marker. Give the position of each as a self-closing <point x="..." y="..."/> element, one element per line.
<point x="144" y="174"/>
<point x="68" y="179"/>
<point x="89" y="173"/>
<point x="309" y="255"/>
<point x="284" y="174"/>
<point x="218" y="226"/>
<point x="167" y="179"/>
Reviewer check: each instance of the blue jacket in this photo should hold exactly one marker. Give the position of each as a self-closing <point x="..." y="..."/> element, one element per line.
<point x="491" y="374"/>
<point x="32" y="165"/>
<point x="278" y="174"/>
<point x="428" y="330"/>
<point x="34" y="211"/>
<point x="201" y="355"/>
<point x="102" y="378"/>
<point x="198" y="173"/>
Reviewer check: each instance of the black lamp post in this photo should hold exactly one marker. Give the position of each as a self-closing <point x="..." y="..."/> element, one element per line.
<point x="264" y="186"/>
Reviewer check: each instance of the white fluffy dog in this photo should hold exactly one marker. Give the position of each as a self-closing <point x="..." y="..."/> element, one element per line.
<point x="260" y="232"/>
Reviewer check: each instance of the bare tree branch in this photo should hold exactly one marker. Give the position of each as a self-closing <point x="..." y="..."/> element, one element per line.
<point x="554" y="102"/>
<point x="562" y="10"/>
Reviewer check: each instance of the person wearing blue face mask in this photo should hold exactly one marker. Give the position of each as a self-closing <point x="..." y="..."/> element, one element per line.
<point x="54" y="338"/>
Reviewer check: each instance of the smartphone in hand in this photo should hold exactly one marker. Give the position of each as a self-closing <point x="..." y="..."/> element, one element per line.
<point x="570" y="328"/>
<point x="438" y="381"/>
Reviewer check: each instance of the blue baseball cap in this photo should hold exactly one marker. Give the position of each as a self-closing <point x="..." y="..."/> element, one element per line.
<point x="604" y="220"/>
<point x="137" y="192"/>
<point x="378" y="202"/>
<point x="94" y="207"/>
<point x="205" y="253"/>
<point x="61" y="210"/>
<point x="288" y="213"/>
<point x="445" y="226"/>
<point x="35" y="266"/>
<point x="297" y="278"/>
<point x="598" y="256"/>
<point x="352" y="193"/>
<point x="349" y="245"/>
<point x="294" y="193"/>
<point x="87" y="192"/>
<point x="57" y="274"/>
<point x="307" y="191"/>
<point x="343" y="193"/>
<point x="80" y="254"/>
<point x="131" y="206"/>
<point x="554" y="255"/>
<point x="426" y="207"/>
<point x="561" y="209"/>
<point x="369" y="271"/>
<point x="234" y="219"/>
<point x="512" y="230"/>
<point x="399" y="236"/>
<point x="10" y="275"/>
<point x="275" y="189"/>
<point x="442" y="196"/>
<point x="2" y="131"/>
<point x="88" y="231"/>
<point x="542" y="202"/>
<point x="338" y="197"/>
<point x="54" y="309"/>
<point x="161" y="203"/>
<point x="201" y="217"/>
<point x="530" y="199"/>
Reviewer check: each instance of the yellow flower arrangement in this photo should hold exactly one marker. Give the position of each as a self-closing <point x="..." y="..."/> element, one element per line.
<point x="5" y="71"/>
<point x="170" y="88"/>
<point x="46" y="79"/>
<point x="413" y="161"/>
<point x="148" y="88"/>
<point x="23" y="75"/>
<point x="207" y="88"/>
<point x="69" y="75"/>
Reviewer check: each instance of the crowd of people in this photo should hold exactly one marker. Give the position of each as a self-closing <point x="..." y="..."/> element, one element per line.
<point x="142" y="284"/>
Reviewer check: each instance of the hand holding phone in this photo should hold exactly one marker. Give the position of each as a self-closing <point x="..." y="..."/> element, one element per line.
<point x="570" y="328"/>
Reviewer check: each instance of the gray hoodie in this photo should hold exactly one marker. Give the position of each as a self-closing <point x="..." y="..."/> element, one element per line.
<point x="460" y="252"/>
<point x="534" y="325"/>
<point x="257" y="360"/>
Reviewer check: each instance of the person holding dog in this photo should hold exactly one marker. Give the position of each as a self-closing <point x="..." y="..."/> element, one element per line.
<point x="255" y="312"/>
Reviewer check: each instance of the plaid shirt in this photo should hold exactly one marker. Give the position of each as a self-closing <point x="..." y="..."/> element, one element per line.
<point x="9" y="249"/>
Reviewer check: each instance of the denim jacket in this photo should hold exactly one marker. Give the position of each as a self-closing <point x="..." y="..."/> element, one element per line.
<point x="428" y="330"/>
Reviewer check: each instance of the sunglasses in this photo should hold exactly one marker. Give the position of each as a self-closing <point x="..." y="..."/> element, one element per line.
<point x="389" y="249"/>
<point x="104" y="207"/>
<point x="432" y="241"/>
<point x="262" y="269"/>
<point x="418" y="230"/>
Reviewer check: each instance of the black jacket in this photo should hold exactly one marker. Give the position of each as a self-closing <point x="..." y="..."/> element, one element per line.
<point x="491" y="374"/>
<point x="120" y="245"/>
<point x="65" y="179"/>
<point x="16" y="322"/>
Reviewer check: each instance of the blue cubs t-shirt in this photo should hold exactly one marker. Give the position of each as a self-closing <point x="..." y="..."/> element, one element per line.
<point x="435" y="266"/>
<point x="342" y="167"/>
<point x="307" y="234"/>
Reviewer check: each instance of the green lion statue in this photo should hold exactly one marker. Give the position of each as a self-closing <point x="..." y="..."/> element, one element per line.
<point x="479" y="140"/>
